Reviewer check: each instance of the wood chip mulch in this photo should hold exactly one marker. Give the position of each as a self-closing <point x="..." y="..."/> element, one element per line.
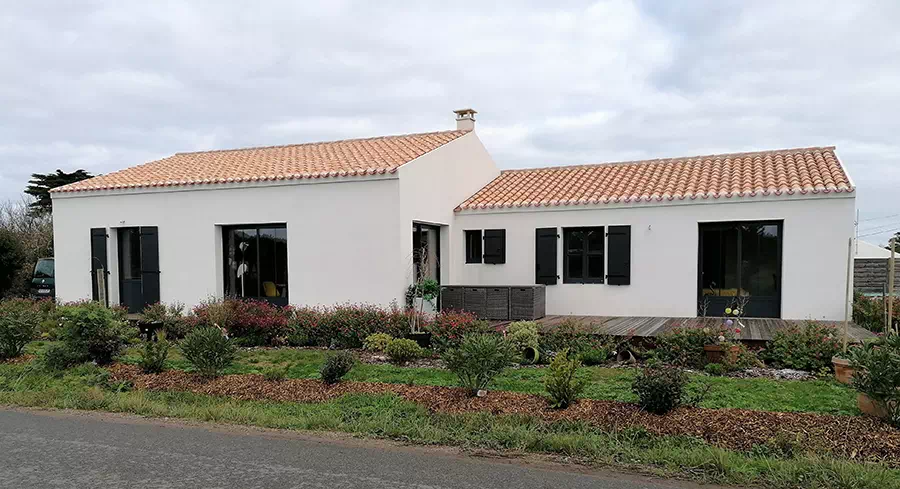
<point x="854" y="437"/>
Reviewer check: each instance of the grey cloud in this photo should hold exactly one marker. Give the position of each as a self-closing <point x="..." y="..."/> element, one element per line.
<point x="109" y="84"/>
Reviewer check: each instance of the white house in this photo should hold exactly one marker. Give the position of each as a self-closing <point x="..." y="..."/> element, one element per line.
<point x="323" y="223"/>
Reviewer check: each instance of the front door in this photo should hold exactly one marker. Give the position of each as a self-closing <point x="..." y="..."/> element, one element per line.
<point x="740" y="265"/>
<point x="138" y="267"/>
<point x="427" y="252"/>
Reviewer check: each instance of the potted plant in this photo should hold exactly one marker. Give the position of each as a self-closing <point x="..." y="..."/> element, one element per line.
<point x="723" y="347"/>
<point x="876" y="378"/>
<point x="422" y="299"/>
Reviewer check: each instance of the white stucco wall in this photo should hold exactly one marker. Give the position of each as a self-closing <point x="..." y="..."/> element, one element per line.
<point x="341" y="237"/>
<point x="432" y="185"/>
<point x="664" y="254"/>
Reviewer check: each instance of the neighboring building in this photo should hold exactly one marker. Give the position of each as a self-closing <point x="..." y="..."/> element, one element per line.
<point x="871" y="268"/>
<point x="335" y="222"/>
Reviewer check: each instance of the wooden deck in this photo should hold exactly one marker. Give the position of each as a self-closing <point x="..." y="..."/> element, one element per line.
<point x="755" y="329"/>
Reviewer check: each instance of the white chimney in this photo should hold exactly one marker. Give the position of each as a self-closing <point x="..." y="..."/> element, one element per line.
<point x="465" y="119"/>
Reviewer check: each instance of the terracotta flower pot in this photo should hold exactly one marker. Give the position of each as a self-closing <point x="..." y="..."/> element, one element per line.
<point x="716" y="353"/>
<point x="870" y="407"/>
<point x="843" y="372"/>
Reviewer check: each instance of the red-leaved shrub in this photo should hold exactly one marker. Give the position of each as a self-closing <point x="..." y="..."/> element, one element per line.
<point x="250" y="322"/>
<point x="449" y="327"/>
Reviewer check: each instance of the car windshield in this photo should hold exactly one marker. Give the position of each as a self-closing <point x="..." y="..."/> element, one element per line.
<point x="43" y="269"/>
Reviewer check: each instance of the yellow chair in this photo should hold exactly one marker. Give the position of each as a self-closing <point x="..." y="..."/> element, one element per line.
<point x="270" y="290"/>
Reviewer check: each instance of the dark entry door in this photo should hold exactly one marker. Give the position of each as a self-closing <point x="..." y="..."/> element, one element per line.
<point x="427" y="251"/>
<point x="740" y="262"/>
<point x="138" y="267"/>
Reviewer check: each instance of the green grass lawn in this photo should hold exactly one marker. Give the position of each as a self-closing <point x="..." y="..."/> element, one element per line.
<point x="388" y="416"/>
<point x="819" y="396"/>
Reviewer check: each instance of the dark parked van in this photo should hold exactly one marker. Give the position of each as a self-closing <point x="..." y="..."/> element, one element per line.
<point x="43" y="285"/>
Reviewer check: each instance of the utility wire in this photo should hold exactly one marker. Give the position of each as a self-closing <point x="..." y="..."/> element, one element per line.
<point x="879" y="232"/>
<point x="878" y="218"/>
<point x="896" y="223"/>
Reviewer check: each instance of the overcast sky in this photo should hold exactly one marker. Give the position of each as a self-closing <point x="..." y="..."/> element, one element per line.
<point x="106" y="85"/>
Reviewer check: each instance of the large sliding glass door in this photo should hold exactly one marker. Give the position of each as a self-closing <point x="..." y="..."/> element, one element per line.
<point x="740" y="262"/>
<point x="256" y="262"/>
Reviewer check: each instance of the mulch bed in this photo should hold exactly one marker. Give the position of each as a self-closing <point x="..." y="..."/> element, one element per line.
<point x="19" y="359"/>
<point x="854" y="437"/>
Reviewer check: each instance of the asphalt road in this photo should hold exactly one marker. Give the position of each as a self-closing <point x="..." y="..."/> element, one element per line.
<point x="66" y="450"/>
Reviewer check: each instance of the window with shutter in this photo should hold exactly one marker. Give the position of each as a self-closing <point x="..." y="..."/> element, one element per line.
<point x="619" y="255"/>
<point x="149" y="261"/>
<point x="583" y="259"/>
<point x="473" y="246"/>
<point x="495" y="246"/>
<point x="545" y="256"/>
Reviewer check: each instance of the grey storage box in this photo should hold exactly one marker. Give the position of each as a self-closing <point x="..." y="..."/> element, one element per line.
<point x="497" y="303"/>
<point x="527" y="303"/>
<point x="452" y="298"/>
<point x="476" y="301"/>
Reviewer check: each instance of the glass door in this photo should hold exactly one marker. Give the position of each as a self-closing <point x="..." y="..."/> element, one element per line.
<point x="426" y="251"/>
<point x="130" y="277"/>
<point x="740" y="262"/>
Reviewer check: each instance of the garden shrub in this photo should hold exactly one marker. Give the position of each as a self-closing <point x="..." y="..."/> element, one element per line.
<point x="348" y="325"/>
<point x="683" y="347"/>
<point x="659" y="389"/>
<point x="402" y="350"/>
<point x="478" y="359"/>
<point x="807" y="348"/>
<point x="303" y="324"/>
<point x="336" y="366"/>
<point x="524" y="338"/>
<point x="19" y="322"/>
<point x="877" y="374"/>
<point x="561" y="380"/>
<point x="209" y="350"/>
<point x="377" y="342"/>
<point x="869" y="312"/>
<point x="154" y="354"/>
<point x="715" y="369"/>
<point x="449" y="327"/>
<point x="93" y="332"/>
<point x="574" y="336"/>
<point x="596" y="356"/>
<point x="168" y="317"/>
<point x="60" y="356"/>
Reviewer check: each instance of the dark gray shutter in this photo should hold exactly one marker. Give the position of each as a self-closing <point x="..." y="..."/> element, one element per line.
<point x="618" y="256"/>
<point x="150" y="264"/>
<point x="98" y="260"/>
<point x="545" y="245"/>
<point x="495" y="246"/>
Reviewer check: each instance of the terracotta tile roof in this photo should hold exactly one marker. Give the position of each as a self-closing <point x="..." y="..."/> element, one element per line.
<point x="351" y="157"/>
<point x="785" y="171"/>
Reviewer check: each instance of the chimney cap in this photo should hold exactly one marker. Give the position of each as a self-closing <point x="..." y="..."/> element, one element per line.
<point x="464" y="112"/>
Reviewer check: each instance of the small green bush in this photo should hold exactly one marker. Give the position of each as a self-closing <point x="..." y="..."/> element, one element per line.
<point x="169" y="317"/>
<point x="561" y="380"/>
<point x="596" y="356"/>
<point x="59" y="356"/>
<point x="94" y="332"/>
<point x="716" y="369"/>
<point x="336" y="366"/>
<point x="154" y="354"/>
<point x="402" y="350"/>
<point x="297" y="337"/>
<point x="478" y="359"/>
<point x="659" y="389"/>
<point x="208" y="350"/>
<point x="377" y="342"/>
<point x="276" y="373"/>
<point x="575" y="336"/>
<point x="809" y="347"/>
<point x="524" y="338"/>
<point x="877" y="374"/>
<point x="683" y="347"/>
<point x="19" y="322"/>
